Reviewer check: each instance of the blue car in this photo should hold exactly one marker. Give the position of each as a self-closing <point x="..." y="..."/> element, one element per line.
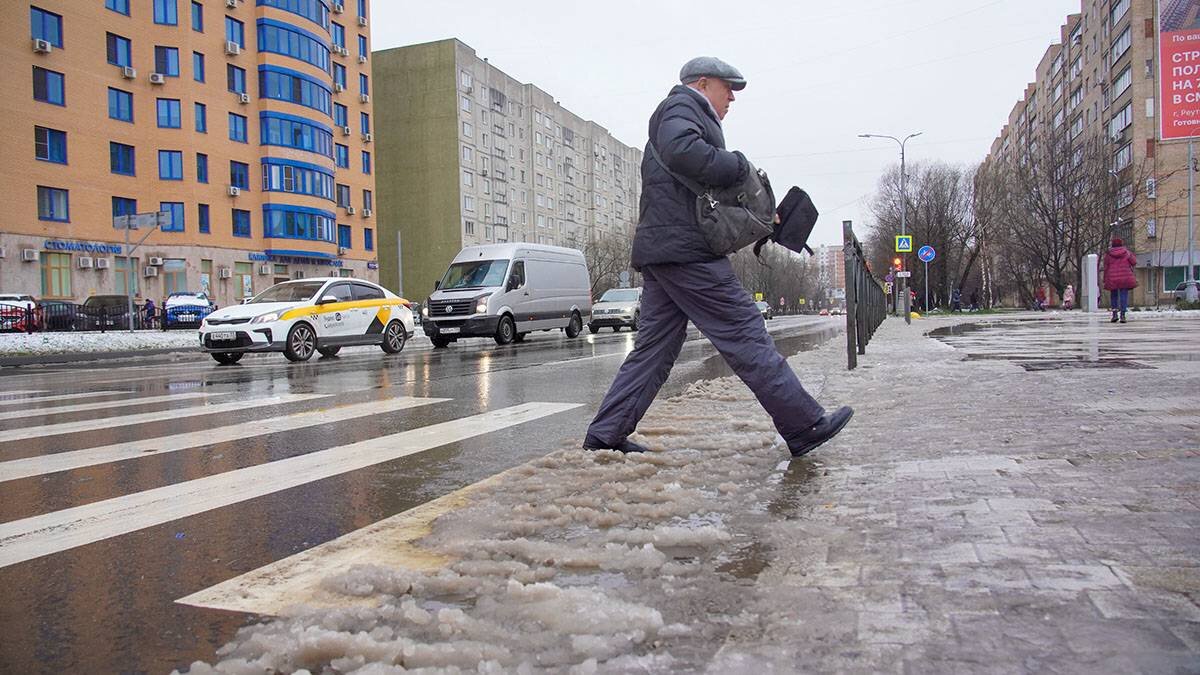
<point x="186" y="310"/>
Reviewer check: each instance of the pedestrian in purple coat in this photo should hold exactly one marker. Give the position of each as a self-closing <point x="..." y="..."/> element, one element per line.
<point x="1118" y="278"/>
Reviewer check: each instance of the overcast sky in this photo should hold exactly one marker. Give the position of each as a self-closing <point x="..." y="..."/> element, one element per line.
<point x="819" y="73"/>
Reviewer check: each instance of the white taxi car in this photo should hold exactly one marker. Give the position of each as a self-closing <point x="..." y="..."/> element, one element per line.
<point x="301" y="317"/>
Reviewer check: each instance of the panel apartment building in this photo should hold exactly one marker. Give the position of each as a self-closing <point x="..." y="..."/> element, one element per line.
<point x="248" y="121"/>
<point x="1103" y="73"/>
<point x="469" y="155"/>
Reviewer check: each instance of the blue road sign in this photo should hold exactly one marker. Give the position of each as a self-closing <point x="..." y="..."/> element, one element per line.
<point x="926" y="254"/>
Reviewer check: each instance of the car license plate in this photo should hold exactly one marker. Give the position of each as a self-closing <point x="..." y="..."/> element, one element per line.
<point x="223" y="337"/>
<point x="187" y="317"/>
<point x="448" y="331"/>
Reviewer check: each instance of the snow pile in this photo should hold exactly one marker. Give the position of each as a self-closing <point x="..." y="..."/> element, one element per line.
<point x="33" y="344"/>
<point x="576" y="562"/>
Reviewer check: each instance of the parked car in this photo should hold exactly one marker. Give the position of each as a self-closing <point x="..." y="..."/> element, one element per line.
<point x="104" y="312"/>
<point x="764" y="308"/>
<point x="301" y="317"/>
<point x="617" y="307"/>
<point x="59" y="315"/>
<point x="185" y="310"/>
<point x="15" y="312"/>
<point x="505" y="291"/>
<point x="1180" y="291"/>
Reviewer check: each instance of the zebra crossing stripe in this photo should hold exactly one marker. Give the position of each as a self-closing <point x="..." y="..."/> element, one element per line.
<point x="102" y="405"/>
<point x="6" y="402"/>
<point x="20" y="393"/>
<point x="37" y="536"/>
<point x="25" y="433"/>
<point x="65" y="461"/>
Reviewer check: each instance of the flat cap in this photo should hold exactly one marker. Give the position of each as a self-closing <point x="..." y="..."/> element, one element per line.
<point x="710" y="66"/>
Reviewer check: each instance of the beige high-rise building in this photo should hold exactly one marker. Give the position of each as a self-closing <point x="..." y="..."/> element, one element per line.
<point x="469" y="155"/>
<point x="249" y="122"/>
<point x="1101" y="78"/>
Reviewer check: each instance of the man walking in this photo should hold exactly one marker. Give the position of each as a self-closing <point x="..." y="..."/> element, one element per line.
<point x="683" y="279"/>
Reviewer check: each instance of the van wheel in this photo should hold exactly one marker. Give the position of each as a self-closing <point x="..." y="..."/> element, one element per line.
<point x="440" y="342"/>
<point x="301" y="343"/>
<point x="329" y="351"/>
<point x="227" y="358"/>
<point x="394" y="337"/>
<point x="506" y="331"/>
<point x="575" y="326"/>
<point x="593" y="328"/>
<point x="519" y="337"/>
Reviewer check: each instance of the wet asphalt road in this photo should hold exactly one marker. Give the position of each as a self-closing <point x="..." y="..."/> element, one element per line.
<point x="108" y="606"/>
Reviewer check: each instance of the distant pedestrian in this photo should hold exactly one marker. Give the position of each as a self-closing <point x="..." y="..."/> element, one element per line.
<point x="1119" y="278"/>
<point x="150" y="312"/>
<point x="955" y="300"/>
<point x="683" y="279"/>
<point x="974" y="300"/>
<point x="1069" y="297"/>
<point x="1040" y="298"/>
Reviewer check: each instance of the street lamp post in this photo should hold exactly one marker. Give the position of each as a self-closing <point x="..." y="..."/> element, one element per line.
<point x="903" y="214"/>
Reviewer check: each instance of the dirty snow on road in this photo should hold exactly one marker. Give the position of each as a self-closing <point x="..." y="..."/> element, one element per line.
<point x="33" y="344"/>
<point x="576" y="562"/>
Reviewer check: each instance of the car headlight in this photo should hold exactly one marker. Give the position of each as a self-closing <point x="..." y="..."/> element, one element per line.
<point x="425" y="311"/>
<point x="481" y="304"/>
<point x="266" y="318"/>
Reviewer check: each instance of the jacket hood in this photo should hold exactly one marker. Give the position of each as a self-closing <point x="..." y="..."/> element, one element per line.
<point x="1117" y="251"/>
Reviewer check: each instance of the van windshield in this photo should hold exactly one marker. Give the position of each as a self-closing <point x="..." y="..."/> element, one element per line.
<point x="620" y="295"/>
<point x="474" y="274"/>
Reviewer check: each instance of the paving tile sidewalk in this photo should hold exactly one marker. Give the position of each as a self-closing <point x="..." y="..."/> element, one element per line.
<point x="980" y="517"/>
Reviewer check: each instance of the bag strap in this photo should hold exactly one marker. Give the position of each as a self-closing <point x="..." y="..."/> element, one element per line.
<point x="687" y="182"/>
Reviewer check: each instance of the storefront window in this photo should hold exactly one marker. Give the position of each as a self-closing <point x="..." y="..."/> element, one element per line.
<point x="243" y="279"/>
<point x="121" y="267"/>
<point x="56" y="275"/>
<point x="174" y="272"/>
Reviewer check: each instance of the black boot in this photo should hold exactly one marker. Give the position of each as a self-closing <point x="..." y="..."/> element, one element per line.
<point x="826" y="428"/>
<point x="1114" y="318"/>
<point x="1122" y="317"/>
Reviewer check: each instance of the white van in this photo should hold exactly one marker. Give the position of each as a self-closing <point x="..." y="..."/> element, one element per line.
<point x="505" y="291"/>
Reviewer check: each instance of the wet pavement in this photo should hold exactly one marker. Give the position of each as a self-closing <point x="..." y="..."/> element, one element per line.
<point x="107" y="604"/>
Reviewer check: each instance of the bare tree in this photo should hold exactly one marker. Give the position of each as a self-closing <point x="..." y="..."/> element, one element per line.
<point x="606" y="258"/>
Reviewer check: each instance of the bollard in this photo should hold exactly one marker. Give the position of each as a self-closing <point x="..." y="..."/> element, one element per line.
<point x="1091" y="283"/>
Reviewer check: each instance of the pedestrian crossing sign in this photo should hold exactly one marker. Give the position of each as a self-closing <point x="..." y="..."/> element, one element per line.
<point x="904" y="243"/>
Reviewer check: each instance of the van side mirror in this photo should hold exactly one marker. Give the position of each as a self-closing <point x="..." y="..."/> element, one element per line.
<point x="437" y="284"/>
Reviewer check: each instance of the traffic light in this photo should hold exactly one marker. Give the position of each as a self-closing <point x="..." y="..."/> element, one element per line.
<point x="898" y="263"/>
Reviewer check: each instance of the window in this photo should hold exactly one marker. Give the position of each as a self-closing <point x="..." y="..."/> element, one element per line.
<point x="53" y="204"/>
<point x="469" y="227"/>
<point x="468" y="155"/>
<point x="368" y="239"/>
<point x="338" y="32"/>
<point x="235" y="31"/>
<point x="237" y="128"/>
<point x="366" y="162"/>
<point x="313" y="10"/>
<point x="468" y="203"/>
<point x="175" y="224"/>
<point x="166" y="12"/>
<point x="297" y="222"/>
<point x="1119" y="9"/>
<point x="343" y="236"/>
<point x="201" y="168"/>
<point x="120" y="105"/>
<point x="295" y="132"/>
<point x="46" y="26"/>
<point x="121" y="159"/>
<point x="235" y="78"/>
<point x="468" y="130"/>
<point x="362" y="9"/>
<point x="241" y="223"/>
<point x="341" y="117"/>
<point x="1123" y="157"/>
<point x="368" y="200"/>
<point x="168" y="113"/>
<point x="197" y="66"/>
<point x="239" y="175"/>
<point x="1121" y="120"/>
<point x="197" y="17"/>
<point x="362" y="46"/>
<point x="343" y="195"/>
<point x="166" y="61"/>
<point x="201" y="118"/>
<point x="339" y="75"/>
<point x="56" y="275"/>
<point x="49" y="86"/>
<point x="170" y="165"/>
<point x="1122" y="82"/>
<point x="364" y="121"/>
<point x="118" y="6"/>
<point x="1122" y="44"/>
<point x="50" y="145"/>
<point x="120" y="50"/>
<point x="282" y="84"/>
<point x="202" y="217"/>
<point x="282" y="38"/>
<point x="468" y="178"/>
<point x="342" y="156"/>
<point x="465" y="104"/>
<point x="364" y="84"/>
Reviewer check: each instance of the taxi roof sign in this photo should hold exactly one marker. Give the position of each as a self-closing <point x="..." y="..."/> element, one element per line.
<point x="904" y="243"/>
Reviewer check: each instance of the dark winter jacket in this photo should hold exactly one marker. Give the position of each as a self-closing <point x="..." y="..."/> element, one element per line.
<point x="687" y="134"/>
<point x="1118" y="269"/>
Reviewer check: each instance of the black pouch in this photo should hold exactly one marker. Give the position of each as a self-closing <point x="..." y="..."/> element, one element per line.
<point x="797" y="217"/>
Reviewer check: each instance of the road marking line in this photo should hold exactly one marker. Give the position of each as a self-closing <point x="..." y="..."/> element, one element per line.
<point x="20" y="393"/>
<point x="296" y="579"/>
<point x="102" y="405"/>
<point x="26" y="433"/>
<point x="65" y="461"/>
<point x="34" y="537"/>
<point x="5" y="401"/>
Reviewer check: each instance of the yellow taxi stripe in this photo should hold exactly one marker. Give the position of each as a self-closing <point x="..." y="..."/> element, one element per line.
<point x="339" y="307"/>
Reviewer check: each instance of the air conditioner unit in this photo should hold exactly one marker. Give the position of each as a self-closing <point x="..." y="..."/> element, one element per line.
<point x="362" y="21"/>
<point x="350" y="210"/>
<point x="244" y="98"/>
<point x="103" y="263"/>
<point x="234" y="190"/>
<point x="367" y="213"/>
<point x="224" y="273"/>
<point x="129" y="72"/>
<point x="338" y="8"/>
<point x="339" y="87"/>
<point x="233" y="48"/>
<point x="364" y="98"/>
<point x="367" y="138"/>
<point x="231" y="4"/>
<point x="154" y="261"/>
<point x="150" y="272"/>
<point x="343" y="51"/>
<point x="84" y="262"/>
<point x="483" y="172"/>
<point x="362" y="59"/>
<point x="158" y="78"/>
<point x="264" y="269"/>
<point x="346" y="131"/>
<point x="29" y="254"/>
<point x="341" y="250"/>
<point x="42" y="46"/>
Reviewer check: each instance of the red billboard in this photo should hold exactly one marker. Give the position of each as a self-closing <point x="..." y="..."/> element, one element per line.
<point x="1179" y="69"/>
